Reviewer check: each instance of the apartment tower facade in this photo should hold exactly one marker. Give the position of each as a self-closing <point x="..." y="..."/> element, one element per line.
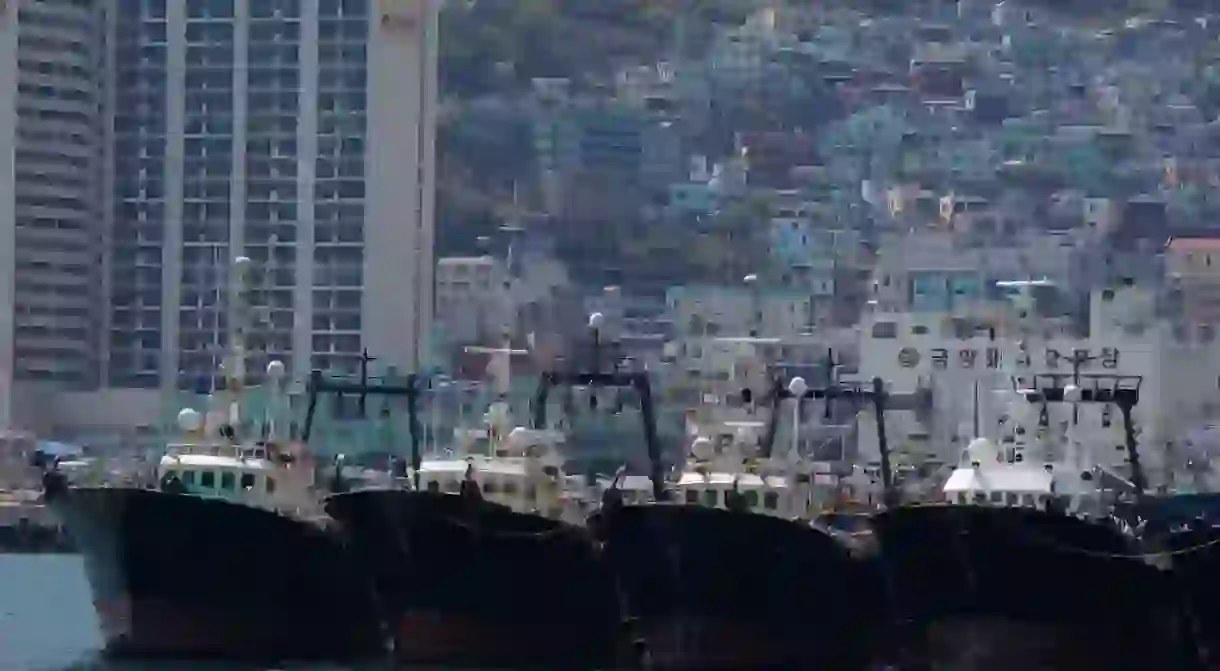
<point x="299" y="133"/>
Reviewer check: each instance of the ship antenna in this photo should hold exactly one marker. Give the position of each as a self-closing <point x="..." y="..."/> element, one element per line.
<point x="976" y="407"/>
<point x="275" y="408"/>
<point x="239" y="321"/>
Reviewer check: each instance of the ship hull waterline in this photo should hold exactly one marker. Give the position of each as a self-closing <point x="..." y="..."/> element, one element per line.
<point x="471" y="583"/>
<point x="1015" y="588"/>
<point x="711" y="589"/>
<point x="180" y="576"/>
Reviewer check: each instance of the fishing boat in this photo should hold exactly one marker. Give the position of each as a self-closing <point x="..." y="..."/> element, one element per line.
<point x="1019" y="568"/>
<point x="227" y="556"/>
<point x="1184" y="527"/>
<point x="719" y="567"/>
<point x="474" y="555"/>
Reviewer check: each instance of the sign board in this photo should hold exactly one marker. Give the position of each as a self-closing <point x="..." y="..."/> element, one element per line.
<point x="942" y="358"/>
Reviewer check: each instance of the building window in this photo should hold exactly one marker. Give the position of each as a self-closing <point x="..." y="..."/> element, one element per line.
<point x="885" y="330"/>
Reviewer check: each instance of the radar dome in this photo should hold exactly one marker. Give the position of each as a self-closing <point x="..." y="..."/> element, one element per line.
<point x="275" y="370"/>
<point x="519" y="436"/>
<point x="701" y="448"/>
<point x="982" y="451"/>
<point x="190" y="420"/>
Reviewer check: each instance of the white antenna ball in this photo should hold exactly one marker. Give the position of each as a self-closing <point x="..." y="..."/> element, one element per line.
<point x="701" y="448"/>
<point x="275" y="370"/>
<point x="596" y="320"/>
<point x="497" y="413"/>
<point x="189" y="420"/>
<point x="242" y="262"/>
<point x="798" y="386"/>
<point x="1072" y="393"/>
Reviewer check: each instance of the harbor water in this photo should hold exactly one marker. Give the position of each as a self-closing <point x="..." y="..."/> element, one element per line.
<point x="47" y="621"/>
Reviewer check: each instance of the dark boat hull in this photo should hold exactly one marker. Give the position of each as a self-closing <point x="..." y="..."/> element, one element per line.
<point x="1020" y="588"/>
<point x="711" y="589"/>
<point x="476" y="584"/>
<point x="182" y="576"/>
<point x="1196" y="563"/>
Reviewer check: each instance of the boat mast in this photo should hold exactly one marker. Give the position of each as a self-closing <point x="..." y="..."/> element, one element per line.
<point x="637" y="380"/>
<point x="239" y="324"/>
<point x="320" y="385"/>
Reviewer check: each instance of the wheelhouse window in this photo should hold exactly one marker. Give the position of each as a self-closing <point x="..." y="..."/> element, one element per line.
<point x="452" y="486"/>
<point x="490" y="487"/>
<point x="771" y="500"/>
<point x="711" y="498"/>
<point x="751" y="497"/>
<point x="227" y="480"/>
<point x="247" y="481"/>
<point x="434" y="486"/>
<point x="510" y="488"/>
<point x="692" y="496"/>
<point x="269" y="483"/>
<point x="207" y="479"/>
<point x="188" y="477"/>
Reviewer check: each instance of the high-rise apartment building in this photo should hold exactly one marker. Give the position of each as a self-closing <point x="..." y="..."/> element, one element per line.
<point x="52" y="65"/>
<point x="156" y="140"/>
<point x="296" y="132"/>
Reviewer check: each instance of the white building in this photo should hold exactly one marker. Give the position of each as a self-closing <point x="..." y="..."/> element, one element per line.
<point x="736" y="311"/>
<point x="471" y="299"/>
<point x="1178" y="378"/>
<point x="300" y="133"/>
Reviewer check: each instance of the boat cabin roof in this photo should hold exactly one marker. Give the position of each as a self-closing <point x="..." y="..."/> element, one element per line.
<point x="458" y="467"/>
<point x="1015" y="478"/>
<point x="217" y="461"/>
<point x="635" y="483"/>
<point x="743" y="480"/>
